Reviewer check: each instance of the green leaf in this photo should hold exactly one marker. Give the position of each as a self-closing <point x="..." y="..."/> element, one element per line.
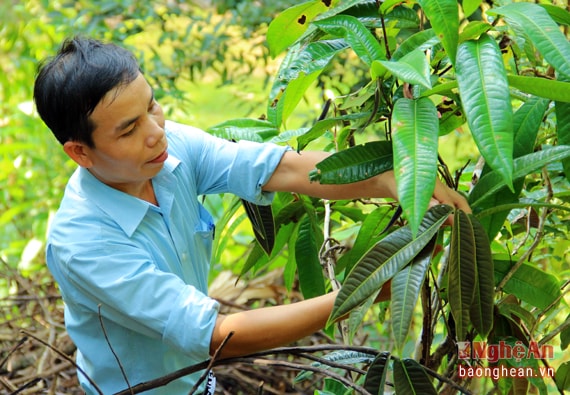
<point x="485" y="95"/>
<point x="376" y="375"/>
<point x="290" y="25"/>
<point x="470" y="6"/>
<point x="343" y="357"/>
<point x="313" y="57"/>
<point x="528" y="283"/>
<point x="311" y="278"/>
<point x="420" y="41"/>
<point x="562" y="111"/>
<point x="492" y="182"/>
<point x="255" y="257"/>
<point x="402" y="17"/>
<point x="354" y="164"/>
<point x="316" y="131"/>
<point x="410" y="378"/>
<point x="384" y="260"/>
<point x="295" y="92"/>
<point x="565" y="336"/>
<point x="542" y="31"/>
<point x="473" y="30"/>
<point x="261" y="218"/>
<point x="514" y="311"/>
<point x="368" y="235"/>
<point x="445" y="89"/>
<point x="558" y="14"/>
<point x="358" y="37"/>
<point x="405" y="290"/>
<point x="542" y="87"/>
<point x="481" y="313"/>
<point x="562" y="377"/>
<point x="526" y="123"/>
<point x="412" y="68"/>
<point x="244" y="129"/>
<point x="444" y="18"/>
<point x="414" y="137"/>
<point x="462" y="278"/>
<point x="300" y="67"/>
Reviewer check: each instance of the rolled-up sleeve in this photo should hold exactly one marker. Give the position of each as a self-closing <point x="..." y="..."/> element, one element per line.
<point x="252" y="168"/>
<point x="222" y="166"/>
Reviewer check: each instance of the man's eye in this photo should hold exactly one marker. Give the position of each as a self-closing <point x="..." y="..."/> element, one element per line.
<point x="130" y="132"/>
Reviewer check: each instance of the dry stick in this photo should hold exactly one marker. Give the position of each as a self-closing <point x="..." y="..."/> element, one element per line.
<point x="64" y="356"/>
<point x="47" y="373"/>
<point x="256" y="358"/>
<point x="296" y="366"/>
<point x="20" y="343"/>
<point x="7" y="384"/>
<point x="26" y="386"/>
<point x="161" y="381"/>
<point x="111" y="347"/>
<point x="211" y="363"/>
<point x="446" y="380"/>
<point x="326" y="254"/>
<point x="328" y="261"/>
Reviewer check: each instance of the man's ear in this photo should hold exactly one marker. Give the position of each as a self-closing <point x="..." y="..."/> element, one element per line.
<point x="79" y="152"/>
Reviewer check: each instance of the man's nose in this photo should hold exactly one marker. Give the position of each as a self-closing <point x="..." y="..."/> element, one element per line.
<point x="155" y="132"/>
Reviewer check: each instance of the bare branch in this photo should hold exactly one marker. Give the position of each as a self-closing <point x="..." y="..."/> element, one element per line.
<point x="64" y="356"/>
<point x="211" y="363"/>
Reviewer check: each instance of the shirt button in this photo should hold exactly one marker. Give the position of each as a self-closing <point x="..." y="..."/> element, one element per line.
<point x="184" y="256"/>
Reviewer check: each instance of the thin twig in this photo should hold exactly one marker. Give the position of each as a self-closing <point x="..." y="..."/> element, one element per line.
<point x="555" y="332"/>
<point x="291" y="365"/>
<point x="161" y="381"/>
<point x="27" y="385"/>
<point x="533" y="246"/>
<point x="527" y="233"/>
<point x="326" y="254"/>
<point x="64" y="356"/>
<point x="551" y="305"/>
<point x="20" y="343"/>
<point x="111" y="348"/>
<point x="332" y="364"/>
<point x="328" y="261"/>
<point x="446" y="380"/>
<point x="211" y="362"/>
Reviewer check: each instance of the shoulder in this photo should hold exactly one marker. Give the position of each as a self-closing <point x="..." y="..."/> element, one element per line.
<point x="188" y="142"/>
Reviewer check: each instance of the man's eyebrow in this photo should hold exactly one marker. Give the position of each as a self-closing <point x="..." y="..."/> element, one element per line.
<point x="123" y="125"/>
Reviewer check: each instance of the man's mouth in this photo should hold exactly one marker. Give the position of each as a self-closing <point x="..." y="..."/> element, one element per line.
<point x="160" y="158"/>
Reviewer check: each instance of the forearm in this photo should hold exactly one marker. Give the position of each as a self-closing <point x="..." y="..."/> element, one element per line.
<point x="292" y="175"/>
<point x="270" y="327"/>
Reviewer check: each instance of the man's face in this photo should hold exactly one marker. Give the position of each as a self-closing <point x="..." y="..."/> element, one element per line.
<point x="130" y="143"/>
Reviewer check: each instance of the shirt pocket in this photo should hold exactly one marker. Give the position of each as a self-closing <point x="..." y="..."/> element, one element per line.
<point x="205" y="227"/>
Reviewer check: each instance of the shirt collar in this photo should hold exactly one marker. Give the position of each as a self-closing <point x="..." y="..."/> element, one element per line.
<point x="126" y="210"/>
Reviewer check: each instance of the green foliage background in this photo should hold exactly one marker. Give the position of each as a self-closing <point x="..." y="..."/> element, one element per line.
<point x="211" y="64"/>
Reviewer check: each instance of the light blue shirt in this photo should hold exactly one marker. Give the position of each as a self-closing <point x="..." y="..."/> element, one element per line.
<point x="145" y="267"/>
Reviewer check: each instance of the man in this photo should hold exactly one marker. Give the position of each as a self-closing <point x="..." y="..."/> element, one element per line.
<point x="130" y="245"/>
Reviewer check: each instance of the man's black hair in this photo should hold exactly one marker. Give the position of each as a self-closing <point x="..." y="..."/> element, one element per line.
<point x="69" y="86"/>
